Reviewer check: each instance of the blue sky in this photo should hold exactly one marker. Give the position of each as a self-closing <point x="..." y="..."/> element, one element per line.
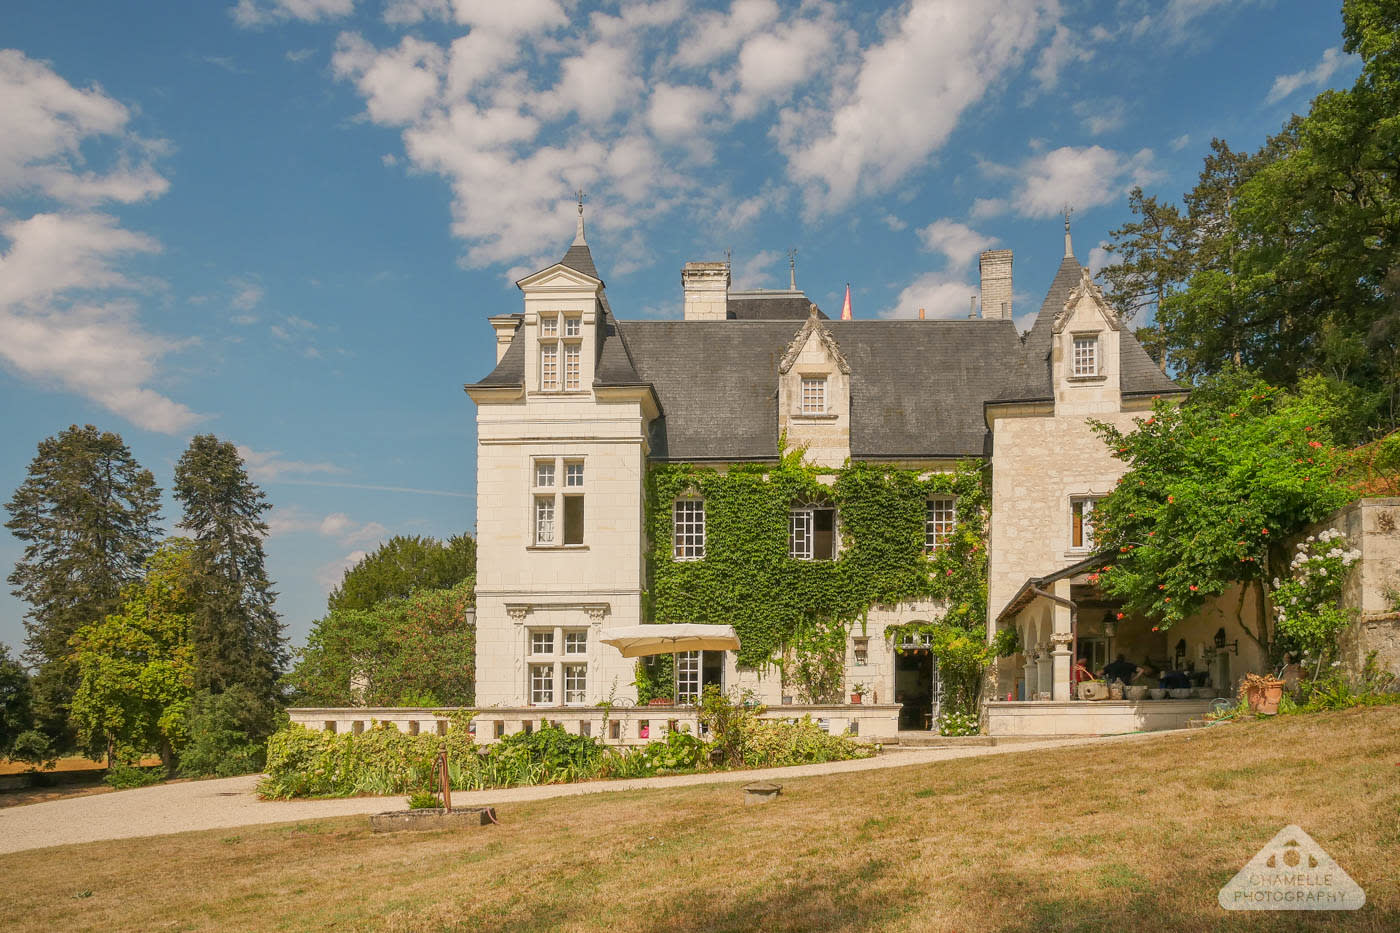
<point x="286" y="221"/>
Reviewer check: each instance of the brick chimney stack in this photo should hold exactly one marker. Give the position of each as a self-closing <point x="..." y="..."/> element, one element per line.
<point x="995" y="265"/>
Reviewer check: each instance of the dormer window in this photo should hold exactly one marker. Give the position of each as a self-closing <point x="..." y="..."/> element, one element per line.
<point x="1086" y="355"/>
<point x="813" y="395"/>
<point x="561" y="357"/>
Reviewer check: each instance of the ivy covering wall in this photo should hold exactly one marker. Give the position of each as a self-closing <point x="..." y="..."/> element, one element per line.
<point x="747" y="579"/>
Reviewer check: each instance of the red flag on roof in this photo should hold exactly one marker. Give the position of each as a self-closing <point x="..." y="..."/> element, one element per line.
<point x="846" y="307"/>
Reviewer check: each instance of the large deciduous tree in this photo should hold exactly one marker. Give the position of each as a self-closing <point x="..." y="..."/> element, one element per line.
<point x="413" y="651"/>
<point x="1287" y="256"/>
<point x="16" y="702"/>
<point x="237" y="635"/>
<point x="1213" y="489"/>
<point x="136" y="666"/>
<point x="89" y="517"/>
<point x="401" y="565"/>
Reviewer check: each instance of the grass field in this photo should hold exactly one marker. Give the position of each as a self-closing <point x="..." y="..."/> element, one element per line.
<point x="1130" y="836"/>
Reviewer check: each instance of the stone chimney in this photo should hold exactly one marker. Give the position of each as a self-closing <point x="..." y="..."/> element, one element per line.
<point x="706" y="286"/>
<point x="995" y="265"/>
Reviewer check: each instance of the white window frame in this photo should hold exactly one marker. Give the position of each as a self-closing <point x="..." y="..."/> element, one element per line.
<point x="1084" y="350"/>
<point x="813" y="401"/>
<point x="576" y="642"/>
<point x="573" y="325"/>
<point x="549" y="367"/>
<point x="549" y="325"/>
<point x="542" y="643"/>
<point x="940" y="521"/>
<point x="688" y="529"/>
<point x="555" y="480"/>
<point x="573" y="367"/>
<point x="802" y="529"/>
<point x="689" y="667"/>
<point x="541" y="684"/>
<point x="575" y="680"/>
<point x="545" y="521"/>
<point x="1081" y="514"/>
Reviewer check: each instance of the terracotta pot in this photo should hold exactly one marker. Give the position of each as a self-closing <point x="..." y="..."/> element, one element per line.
<point x="1264" y="699"/>
<point x="855" y="698"/>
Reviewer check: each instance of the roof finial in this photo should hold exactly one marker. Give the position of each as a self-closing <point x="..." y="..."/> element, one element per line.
<point x="578" y="237"/>
<point x="792" y="269"/>
<point x="1069" y="247"/>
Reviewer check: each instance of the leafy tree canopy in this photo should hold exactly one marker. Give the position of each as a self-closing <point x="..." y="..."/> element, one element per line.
<point x="16" y="714"/>
<point x="418" y="651"/>
<point x="404" y="564"/>
<point x="237" y="635"/>
<point x="136" y="666"/>
<point x="89" y="517"/>
<point x="1284" y="260"/>
<point x="1213" y="488"/>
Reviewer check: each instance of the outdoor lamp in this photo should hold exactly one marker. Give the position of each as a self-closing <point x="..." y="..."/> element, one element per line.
<point x="1110" y="624"/>
<point x="1221" y="644"/>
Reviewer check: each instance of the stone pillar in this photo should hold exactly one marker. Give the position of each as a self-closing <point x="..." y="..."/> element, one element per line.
<point x="1044" y="672"/>
<point x="1061" y="656"/>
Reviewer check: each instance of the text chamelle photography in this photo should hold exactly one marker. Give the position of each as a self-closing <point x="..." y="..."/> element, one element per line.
<point x="700" y="465"/>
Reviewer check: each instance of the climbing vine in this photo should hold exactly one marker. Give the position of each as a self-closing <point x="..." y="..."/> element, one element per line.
<point x="747" y="579"/>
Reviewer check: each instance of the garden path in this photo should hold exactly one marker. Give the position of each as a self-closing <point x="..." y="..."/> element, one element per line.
<point x="223" y="803"/>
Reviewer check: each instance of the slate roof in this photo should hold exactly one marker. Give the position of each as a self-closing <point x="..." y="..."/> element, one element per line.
<point x="917" y="387"/>
<point x="770" y="306"/>
<point x="580" y="259"/>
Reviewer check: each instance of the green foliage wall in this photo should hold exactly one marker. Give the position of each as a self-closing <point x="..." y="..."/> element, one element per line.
<point x="748" y="580"/>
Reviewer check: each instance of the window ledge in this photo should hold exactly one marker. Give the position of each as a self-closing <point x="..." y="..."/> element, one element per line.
<point x="1079" y="553"/>
<point x="1102" y="377"/>
<point x="556" y="547"/>
<point x="828" y="416"/>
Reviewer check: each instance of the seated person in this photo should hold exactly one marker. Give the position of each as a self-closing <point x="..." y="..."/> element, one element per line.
<point x="1175" y="680"/>
<point x="1121" y="669"/>
<point x="1145" y="676"/>
<point x="1081" y="672"/>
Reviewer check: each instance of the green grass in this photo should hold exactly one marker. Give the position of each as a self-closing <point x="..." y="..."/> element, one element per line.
<point x="1137" y="835"/>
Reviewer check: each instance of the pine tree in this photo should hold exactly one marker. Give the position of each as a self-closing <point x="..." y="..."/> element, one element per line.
<point x="89" y="516"/>
<point x="237" y="635"/>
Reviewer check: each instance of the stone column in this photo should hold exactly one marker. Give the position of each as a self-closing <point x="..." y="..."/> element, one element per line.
<point x="1030" y="674"/>
<point x="1061" y="656"/>
<point x="1044" y="669"/>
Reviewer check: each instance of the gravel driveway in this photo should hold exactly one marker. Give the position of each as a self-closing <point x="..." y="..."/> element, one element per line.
<point x="228" y="802"/>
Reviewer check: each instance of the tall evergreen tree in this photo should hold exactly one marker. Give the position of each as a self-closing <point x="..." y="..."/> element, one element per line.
<point x="237" y="635"/>
<point x="89" y="515"/>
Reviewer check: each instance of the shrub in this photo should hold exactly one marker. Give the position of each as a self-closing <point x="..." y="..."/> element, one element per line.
<point x="423" y="800"/>
<point x="125" y="776"/>
<point x="225" y="734"/>
<point x="959" y="724"/>
<point x="729" y="721"/>
<point x="771" y="744"/>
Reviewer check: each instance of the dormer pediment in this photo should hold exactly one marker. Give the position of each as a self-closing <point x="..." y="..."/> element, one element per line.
<point x="1088" y="295"/>
<point x="559" y="278"/>
<point x="813" y="330"/>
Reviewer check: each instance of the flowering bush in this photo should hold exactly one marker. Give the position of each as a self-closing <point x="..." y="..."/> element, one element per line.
<point x="1306" y="605"/>
<point x="958" y="724"/>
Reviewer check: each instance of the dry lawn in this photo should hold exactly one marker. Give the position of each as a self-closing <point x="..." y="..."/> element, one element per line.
<point x="1134" y="836"/>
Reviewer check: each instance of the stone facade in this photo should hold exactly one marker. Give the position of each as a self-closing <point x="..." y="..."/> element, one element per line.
<point x="1373" y="589"/>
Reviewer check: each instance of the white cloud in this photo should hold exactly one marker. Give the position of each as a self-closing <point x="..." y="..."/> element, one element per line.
<point x="409" y="12"/>
<point x="1082" y="178"/>
<point x="1065" y="48"/>
<point x="43" y="125"/>
<point x="247" y="295"/>
<point x="249" y="13"/>
<point x="510" y="17"/>
<point x="713" y="35"/>
<point x="940" y="295"/>
<point x="1100" y="258"/>
<point x="397" y="84"/>
<point x="1181" y="142"/>
<point x="959" y="242"/>
<point x="1316" y="76"/>
<point x="595" y="84"/>
<point x="66" y="308"/>
<point x="1102" y="116"/>
<point x="760" y="271"/>
<point x="268" y="465"/>
<point x="893" y="222"/>
<point x="676" y="112"/>
<point x="772" y="64"/>
<point x="342" y="527"/>
<point x="329" y="575"/>
<point x="936" y="60"/>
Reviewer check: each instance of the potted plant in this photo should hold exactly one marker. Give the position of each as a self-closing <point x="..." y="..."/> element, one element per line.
<point x="1262" y="693"/>
<point x="857" y="691"/>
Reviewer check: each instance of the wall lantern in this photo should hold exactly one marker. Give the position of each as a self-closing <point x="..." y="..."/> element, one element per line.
<point x="1221" y="644"/>
<point x="1110" y="624"/>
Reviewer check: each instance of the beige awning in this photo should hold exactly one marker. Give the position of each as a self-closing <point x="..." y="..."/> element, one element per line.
<point x="639" y="641"/>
